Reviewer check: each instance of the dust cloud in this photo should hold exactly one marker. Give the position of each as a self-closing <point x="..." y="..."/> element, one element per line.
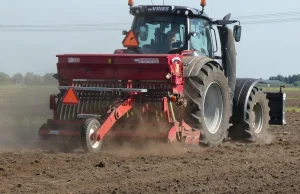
<point x="21" y="116"/>
<point x="22" y="111"/>
<point x="18" y="135"/>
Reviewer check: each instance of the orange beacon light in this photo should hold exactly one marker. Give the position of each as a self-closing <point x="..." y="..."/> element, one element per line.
<point x="130" y="2"/>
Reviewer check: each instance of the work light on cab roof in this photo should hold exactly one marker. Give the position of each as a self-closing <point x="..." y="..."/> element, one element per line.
<point x="203" y="3"/>
<point x="130" y="3"/>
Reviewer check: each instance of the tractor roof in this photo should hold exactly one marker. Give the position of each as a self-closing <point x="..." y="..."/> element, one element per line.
<point x="167" y="9"/>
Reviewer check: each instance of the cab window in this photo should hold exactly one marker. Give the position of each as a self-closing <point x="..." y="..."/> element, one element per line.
<point x="202" y="39"/>
<point x="160" y="33"/>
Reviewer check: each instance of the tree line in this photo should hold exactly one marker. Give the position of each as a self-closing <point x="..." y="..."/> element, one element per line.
<point x="35" y="79"/>
<point x="28" y="79"/>
<point x="291" y="79"/>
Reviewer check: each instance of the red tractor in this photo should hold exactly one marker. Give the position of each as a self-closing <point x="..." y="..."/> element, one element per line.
<point x="167" y="83"/>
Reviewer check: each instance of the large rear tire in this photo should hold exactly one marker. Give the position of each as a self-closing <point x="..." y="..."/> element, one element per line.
<point x="89" y="144"/>
<point x="208" y="104"/>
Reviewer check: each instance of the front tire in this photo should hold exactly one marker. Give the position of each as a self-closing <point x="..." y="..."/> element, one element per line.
<point x="89" y="144"/>
<point x="208" y="104"/>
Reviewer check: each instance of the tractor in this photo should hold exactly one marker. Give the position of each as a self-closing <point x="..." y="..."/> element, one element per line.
<point x="167" y="83"/>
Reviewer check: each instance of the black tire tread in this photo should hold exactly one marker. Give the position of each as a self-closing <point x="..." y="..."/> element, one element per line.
<point x="195" y="91"/>
<point x="244" y="130"/>
<point x="255" y="93"/>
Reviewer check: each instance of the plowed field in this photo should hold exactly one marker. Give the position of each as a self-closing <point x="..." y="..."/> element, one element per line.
<point x="232" y="168"/>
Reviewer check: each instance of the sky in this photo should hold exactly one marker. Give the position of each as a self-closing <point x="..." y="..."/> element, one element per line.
<point x="264" y="50"/>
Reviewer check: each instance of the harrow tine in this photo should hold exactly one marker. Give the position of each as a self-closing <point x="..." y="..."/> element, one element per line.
<point x="77" y="111"/>
<point x="98" y="100"/>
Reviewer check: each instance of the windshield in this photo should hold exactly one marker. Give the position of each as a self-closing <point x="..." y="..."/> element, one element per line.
<point x="202" y="40"/>
<point x="160" y="34"/>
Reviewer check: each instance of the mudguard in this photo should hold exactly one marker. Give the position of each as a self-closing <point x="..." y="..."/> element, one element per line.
<point x="196" y="62"/>
<point x="241" y="95"/>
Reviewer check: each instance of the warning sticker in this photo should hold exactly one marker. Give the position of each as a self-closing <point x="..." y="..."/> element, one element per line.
<point x="130" y="40"/>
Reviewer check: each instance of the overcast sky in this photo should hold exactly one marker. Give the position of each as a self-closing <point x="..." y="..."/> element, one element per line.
<point x="264" y="50"/>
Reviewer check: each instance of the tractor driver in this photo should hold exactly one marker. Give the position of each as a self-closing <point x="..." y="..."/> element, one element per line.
<point x="171" y="36"/>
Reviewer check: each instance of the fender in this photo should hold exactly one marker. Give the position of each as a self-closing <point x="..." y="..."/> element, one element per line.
<point x="242" y="91"/>
<point x="196" y="62"/>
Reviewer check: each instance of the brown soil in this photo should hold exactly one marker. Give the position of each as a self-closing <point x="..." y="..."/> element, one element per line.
<point x="292" y="95"/>
<point x="293" y="103"/>
<point x="232" y="168"/>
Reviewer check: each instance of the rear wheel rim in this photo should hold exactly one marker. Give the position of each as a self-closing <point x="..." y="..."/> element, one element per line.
<point x="213" y="108"/>
<point x="258" y="118"/>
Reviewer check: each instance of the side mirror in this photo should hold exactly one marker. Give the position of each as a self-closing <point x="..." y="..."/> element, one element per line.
<point x="124" y="32"/>
<point x="237" y="31"/>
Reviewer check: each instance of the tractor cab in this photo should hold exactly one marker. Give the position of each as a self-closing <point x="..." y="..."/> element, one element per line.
<point x="166" y="29"/>
<point x="162" y="29"/>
